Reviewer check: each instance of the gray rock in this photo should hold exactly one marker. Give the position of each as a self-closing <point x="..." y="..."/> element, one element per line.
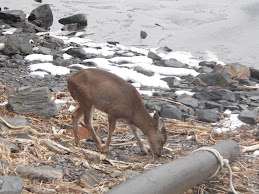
<point x="13" y="148"/>
<point x="90" y="178"/>
<point x="216" y="79"/>
<point x="171" y="81"/>
<point x="128" y="174"/>
<point x="80" y="53"/>
<point x="143" y="71"/>
<point x="153" y="56"/>
<point x="42" y="16"/>
<point x="74" y="19"/>
<point x="14" y="18"/>
<point x="32" y="100"/>
<point x="43" y="173"/>
<point x="198" y="82"/>
<point x="189" y="101"/>
<point x="212" y="105"/>
<point x="208" y="115"/>
<point x="174" y="63"/>
<point x="11" y="185"/>
<point x="171" y="111"/>
<point x="215" y="95"/>
<point x="210" y="64"/>
<point x="248" y="116"/>
<point x="205" y="69"/>
<point x="254" y="73"/>
<point x="14" y="121"/>
<point x="18" y="44"/>
<point x="231" y="107"/>
<point x="20" y="136"/>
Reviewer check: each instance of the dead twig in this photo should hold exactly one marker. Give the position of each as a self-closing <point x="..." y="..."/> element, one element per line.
<point x="251" y="148"/>
<point x="52" y="147"/>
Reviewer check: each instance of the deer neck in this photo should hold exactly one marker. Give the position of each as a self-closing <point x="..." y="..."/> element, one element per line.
<point x="143" y="120"/>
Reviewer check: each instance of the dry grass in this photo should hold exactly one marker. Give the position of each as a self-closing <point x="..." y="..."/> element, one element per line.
<point x="48" y="137"/>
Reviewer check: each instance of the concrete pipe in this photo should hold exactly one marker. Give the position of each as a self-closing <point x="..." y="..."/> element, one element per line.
<point x="179" y="175"/>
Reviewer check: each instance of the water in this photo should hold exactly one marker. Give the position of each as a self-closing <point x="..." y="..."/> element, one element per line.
<point x="226" y="30"/>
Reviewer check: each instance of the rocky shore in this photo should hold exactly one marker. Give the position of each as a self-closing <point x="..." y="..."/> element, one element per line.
<point x="35" y="64"/>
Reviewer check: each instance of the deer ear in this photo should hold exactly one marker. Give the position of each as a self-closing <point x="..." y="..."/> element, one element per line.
<point x="160" y="124"/>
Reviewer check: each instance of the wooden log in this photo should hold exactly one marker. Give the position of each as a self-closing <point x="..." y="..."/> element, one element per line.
<point x="181" y="174"/>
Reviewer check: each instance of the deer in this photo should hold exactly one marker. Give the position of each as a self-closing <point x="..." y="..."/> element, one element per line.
<point x="94" y="88"/>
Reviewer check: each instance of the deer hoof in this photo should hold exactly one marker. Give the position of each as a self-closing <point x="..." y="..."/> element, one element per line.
<point x="106" y="149"/>
<point x="145" y="150"/>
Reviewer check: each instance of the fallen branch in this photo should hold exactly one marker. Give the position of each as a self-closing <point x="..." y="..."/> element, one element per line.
<point x="251" y="148"/>
<point x="189" y="126"/>
<point x="39" y="190"/>
<point x="52" y="147"/>
<point x="251" y="87"/>
<point x="21" y="127"/>
<point x="173" y="102"/>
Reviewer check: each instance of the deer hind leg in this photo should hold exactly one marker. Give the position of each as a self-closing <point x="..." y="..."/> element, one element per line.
<point x="88" y="119"/>
<point x="140" y="144"/>
<point x="75" y="120"/>
<point x="112" y="124"/>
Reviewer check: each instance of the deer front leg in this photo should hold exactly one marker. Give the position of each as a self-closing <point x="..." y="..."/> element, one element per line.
<point x="75" y="120"/>
<point x="140" y="144"/>
<point x="112" y="123"/>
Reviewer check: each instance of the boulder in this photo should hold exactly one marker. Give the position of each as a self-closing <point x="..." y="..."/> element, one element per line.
<point x="254" y="73"/>
<point x="216" y="79"/>
<point x="42" y="17"/>
<point x="128" y="174"/>
<point x="171" y="111"/>
<point x="18" y="44"/>
<point x="210" y="64"/>
<point x="80" y="53"/>
<point x="90" y="178"/>
<point x="212" y="105"/>
<point x="236" y="70"/>
<point x="208" y="115"/>
<point x="171" y="81"/>
<point x="15" y="18"/>
<point x="79" y="19"/>
<point x="43" y="173"/>
<point x="249" y="116"/>
<point x="32" y="100"/>
<point x="11" y="184"/>
<point x="198" y="82"/>
<point x="153" y="56"/>
<point x="174" y="63"/>
<point x="13" y="148"/>
<point x="214" y="95"/>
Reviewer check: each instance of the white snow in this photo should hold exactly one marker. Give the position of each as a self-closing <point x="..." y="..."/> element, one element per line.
<point x="256" y="153"/>
<point x="67" y="56"/>
<point x="3" y="104"/>
<point x="38" y="74"/>
<point x="164" y="70"/>
<point x="182" y="56"/>
<point x="180" y="92"/>
<point x="39" y="57"/>
<point x="9" y="31"/>
<point x="2" y="45"/>
<point x="134" y="59"/>
<point x="230" y="123"/>
<point x="50" y="68"/>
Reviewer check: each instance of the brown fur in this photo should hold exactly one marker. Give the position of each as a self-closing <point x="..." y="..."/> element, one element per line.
<point x="94" y="88"/>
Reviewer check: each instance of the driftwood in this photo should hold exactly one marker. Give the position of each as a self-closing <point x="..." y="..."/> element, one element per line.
<point x="250" y="148"/>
